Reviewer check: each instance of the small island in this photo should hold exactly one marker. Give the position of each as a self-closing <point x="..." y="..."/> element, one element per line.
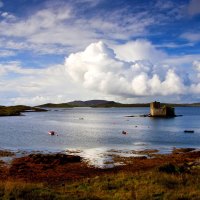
<point x="17" y="110"/>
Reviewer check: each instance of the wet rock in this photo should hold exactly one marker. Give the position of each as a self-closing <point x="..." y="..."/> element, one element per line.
<point x="6" y="153"/>
<point x="145" y="115"/>
<point x="148" y="151"/>
<point x="171" y="169"/>
<point x="54" y="158"/>
<point x="182" y="150"/>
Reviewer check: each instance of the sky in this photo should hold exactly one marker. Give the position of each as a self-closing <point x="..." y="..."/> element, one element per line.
<point x="131" y="51"/>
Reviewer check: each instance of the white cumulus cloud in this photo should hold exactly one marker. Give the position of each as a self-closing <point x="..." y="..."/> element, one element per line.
<point x="196" y="64"/>
<point x="34" y="86"/>
<point x="100" y="69"/>
<point x="139" y="50"/>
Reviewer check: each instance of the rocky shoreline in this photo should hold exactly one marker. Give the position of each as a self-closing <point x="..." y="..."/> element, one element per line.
<point x="45" y="167"/>
<point x="61" y="176"/>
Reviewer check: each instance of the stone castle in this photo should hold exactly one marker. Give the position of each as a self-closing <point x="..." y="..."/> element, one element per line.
<point x="156" y="110"/>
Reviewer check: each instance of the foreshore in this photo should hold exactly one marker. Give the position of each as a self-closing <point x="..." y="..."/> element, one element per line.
<point x="58" y="176"/>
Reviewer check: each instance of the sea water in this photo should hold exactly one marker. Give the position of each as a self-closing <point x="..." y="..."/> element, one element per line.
<point x="96" y="131"/>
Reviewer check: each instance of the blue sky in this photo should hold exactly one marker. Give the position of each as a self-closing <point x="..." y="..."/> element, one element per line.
<point x="124" y="50"/>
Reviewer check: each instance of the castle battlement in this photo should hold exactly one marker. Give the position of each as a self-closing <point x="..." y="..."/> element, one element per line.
<point x="156" y="110"/>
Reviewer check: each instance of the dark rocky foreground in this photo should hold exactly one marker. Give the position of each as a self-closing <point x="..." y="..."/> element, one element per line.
<point x="175" y="176"/>
<point x="59" y="167"/>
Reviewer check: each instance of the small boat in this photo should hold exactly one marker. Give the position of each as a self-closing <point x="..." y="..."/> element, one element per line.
<point x="188" y="131"/>
<point x="124" y="132"/>
<point x="51" y="132"/>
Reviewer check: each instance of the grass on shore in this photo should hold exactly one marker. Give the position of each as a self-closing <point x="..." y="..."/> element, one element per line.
<point x="16" y="110"/>
<point x="152" y="184"/>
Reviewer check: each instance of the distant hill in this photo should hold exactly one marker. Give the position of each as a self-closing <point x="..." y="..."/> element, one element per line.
<point x="108" y="104"/>
<point x="120" y="105"/>
<point x="104" y="104"/>
<point x="54" y="105"/>
<point x="90" y="103"/>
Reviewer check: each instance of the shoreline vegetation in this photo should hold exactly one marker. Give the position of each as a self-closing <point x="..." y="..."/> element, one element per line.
<point x="18" y="110"/>
<point x="61" y="176"/>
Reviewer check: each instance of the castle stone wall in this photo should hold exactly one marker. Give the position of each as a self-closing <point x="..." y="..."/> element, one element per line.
<point x="157" y="111"/>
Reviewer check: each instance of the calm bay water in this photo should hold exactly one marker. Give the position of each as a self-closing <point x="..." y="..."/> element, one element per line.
<point x="98" y="130"/>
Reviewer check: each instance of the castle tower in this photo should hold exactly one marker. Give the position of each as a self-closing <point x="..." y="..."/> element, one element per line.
<point x="157" y="111"/>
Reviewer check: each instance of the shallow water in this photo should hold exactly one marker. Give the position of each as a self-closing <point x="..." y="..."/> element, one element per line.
<point x="95" y="131"/>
